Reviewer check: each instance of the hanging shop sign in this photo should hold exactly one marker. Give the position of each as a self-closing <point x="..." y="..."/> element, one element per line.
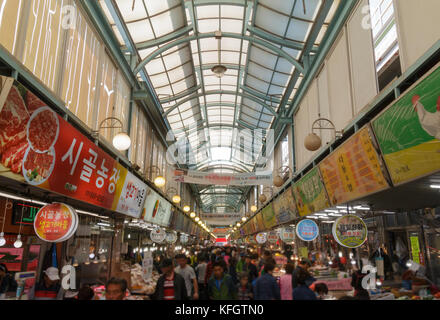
<point x="261" y="237"/>
<point x="284" y="207"/>
<point x="158" y="235"/>
<point x="171" y="237"/>
<point x="184" y="238"/>
<point x="269" y="218"/>
<point x="287" y="234"/>
<point x="350" y="231"/>
<point x="40" y="148"/>
<point x="272" y="237"/>
<point x="353" y="170"/>
<point x="310" y="194"/>
<point x="307" y="230"/>
<point x="260" y="222"/>
<point x="157" y="210"/>
<point x="209" y="178"/>
<point x="408" y="132"/>
<point x="147" y="266"/>
<point x="416" y="253"/>
<point x="56" y="222"/>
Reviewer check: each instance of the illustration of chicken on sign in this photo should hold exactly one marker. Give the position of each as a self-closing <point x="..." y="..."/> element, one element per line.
<point x="408" y="131"/>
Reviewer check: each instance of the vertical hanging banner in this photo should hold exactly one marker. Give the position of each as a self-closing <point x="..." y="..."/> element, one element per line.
<point x="353" y="170"/>
<point x="310" y="194"/>
<point x="40" y="148"/>
<point x="284" y="207"/>
<point x="223" y="179"/>
<point x="408" y="131"/>
<point x="260" y="222"/>
<point x="269" y="218"/>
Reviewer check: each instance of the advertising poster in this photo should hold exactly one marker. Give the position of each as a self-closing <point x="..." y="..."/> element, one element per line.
<point x="408" y="132"/>
<point x="269" y="218"/>
<point x="353" y="170"/>
<point x="40" y="148"/>
<point x="157" y="210"/>
<point x="261" y="237"/>
<point x="310" y="194"/>
<point x="285" y="207"/>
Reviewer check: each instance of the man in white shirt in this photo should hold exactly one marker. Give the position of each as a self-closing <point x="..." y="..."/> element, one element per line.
<point x="187" y="272"/>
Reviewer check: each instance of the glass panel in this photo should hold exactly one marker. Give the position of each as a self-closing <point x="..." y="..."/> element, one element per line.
<point x="79" y="83"/>
<point x="9" y="21"/>
<point x="44" y="37"/>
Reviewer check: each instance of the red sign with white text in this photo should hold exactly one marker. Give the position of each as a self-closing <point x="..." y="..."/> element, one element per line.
<point x="39" y="147"/>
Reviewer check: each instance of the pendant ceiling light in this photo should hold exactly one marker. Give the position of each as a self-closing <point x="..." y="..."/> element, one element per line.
<point x="219" y="70"/>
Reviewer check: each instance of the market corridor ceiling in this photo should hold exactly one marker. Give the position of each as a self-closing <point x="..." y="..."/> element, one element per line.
<point x="265" y="46"/>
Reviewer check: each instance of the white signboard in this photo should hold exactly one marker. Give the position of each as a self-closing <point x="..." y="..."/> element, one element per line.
<point x="287" y="234"/>
<point x="156" y="210"/>
<point x="261" y="237"/>
<point x="171" y="237"/>
<point x="224" y="179"/>
<point x="132" y="196"/>
<point x="183" y="238"/>
<point x="158" y="235"/>
<point x="147" y="266"/>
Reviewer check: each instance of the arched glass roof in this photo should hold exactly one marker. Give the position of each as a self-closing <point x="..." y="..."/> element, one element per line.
<point x="263" y="45"/>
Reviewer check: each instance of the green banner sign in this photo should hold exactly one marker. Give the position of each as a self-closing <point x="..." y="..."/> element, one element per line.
<point x="408" y="131"/>
<point x="310" y="194"/>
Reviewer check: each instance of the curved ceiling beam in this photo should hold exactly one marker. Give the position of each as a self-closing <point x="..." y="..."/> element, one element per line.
<point x="214" y="92"/>
<point x="183" y="40"/>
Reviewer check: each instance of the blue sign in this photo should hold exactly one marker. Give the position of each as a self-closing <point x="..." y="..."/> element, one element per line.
<point x="307" y="230"/>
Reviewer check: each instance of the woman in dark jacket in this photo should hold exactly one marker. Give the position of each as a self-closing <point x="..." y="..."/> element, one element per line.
<point x="302" y="291"/>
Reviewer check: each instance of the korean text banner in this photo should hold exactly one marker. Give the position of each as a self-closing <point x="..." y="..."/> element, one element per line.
<point x="260" y="222"/>
<point x="310" y="194"/>
<point x="353" y="170"/>
<point x="40" y="148"/>
<point x="269" y="216"/>
<point x="210" y="178"/>
<point x="285" y="207"/>
<point x="156" y="210"/>
<point x="408" y="132"/>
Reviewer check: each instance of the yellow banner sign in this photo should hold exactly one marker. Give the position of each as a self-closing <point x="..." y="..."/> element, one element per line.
<point x="353" y="170"/>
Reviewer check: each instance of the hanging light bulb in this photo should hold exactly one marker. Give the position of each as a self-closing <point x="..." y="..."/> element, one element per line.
<point x="254" y="208"/>
<point x="92" y="255"/>
<point x="176" y="198"/>
<point x="159" y="181"/>
<point x="2" y="239"/>
<point x="244" y="219"/>
<point x="340" y="254"/>
<point x="18" y="243"/>
<point x="186" y="208"/>
<point x="2" y="234"/>
<point x="87" y="262"/>
<point x="197" y="219"/>
<point x="192" y="215"/>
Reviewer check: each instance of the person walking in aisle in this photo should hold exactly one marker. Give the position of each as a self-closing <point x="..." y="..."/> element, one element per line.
<point x="201" y="276"/>
<point x="286" y="283"/>
<point x="187" y="272"/>
<point x="302" y="291"/>
<point x="245" y="291"/>
<point x="266" y="286"/>
<point x="171" y="285"/>
<point x="221" y="286"/>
